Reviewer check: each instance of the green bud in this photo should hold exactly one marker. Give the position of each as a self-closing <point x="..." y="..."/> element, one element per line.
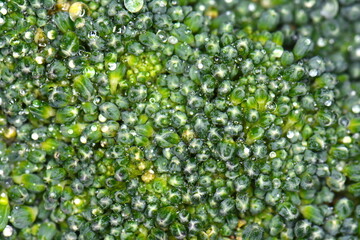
<point x="268" y="20"/>
<point x="69" y="44"/>
<point x="332" y="225"/>
<point x="252" y="115"/>
<point x="60" y="97"/>
<point x="84" y="87"/>
<point x="287" y="58"/>
<point x="137" y="93"/>
<point x="178" y="230"/>
<point x="41" y="111"/>
<point x="294" y="73"/>
<point x="165" y="216"/>
<point x="194" y="21"/>
<point x="316" y="143"/>
<point x="37" y="156"/>
<point x="63" y="22"/>
<point x="47" y="231"/>
<point x="23" y="216"/>
<point x="72" y="131"/>
<point x="253" y="232"/>
<point x="31" y="182"/>
<point x="55" y="175"/>
<point x="175" y="65"/>
<point x="227" y="206"/>
<point x="336" y="181"/>
<point x="226" y="150"/>
<point x="302" y="228"/>
<point x="167" y="138"/>
<point x="254" y="134"/>
<point x="312" y="213"/>
<point x="302" y="47"/>
<point x="354" y="189"/>
<point x="344" y="208"/>
<point x="352" y="171"/>
<point x="115" y="77"/>
<point x="276" y="225"/>
<point x="256" y="206"/>
<point x="247" y="66"/>
<point x="66" y="114"/>
<point x="354" y="125"/>
<point x="288" y="210"/>
<point x="18" y="194"/>
<point x="110" y="111"/>
<point x="4" y="210"/>
<point x="242" y="202"/>
<point x="157" y="234"/>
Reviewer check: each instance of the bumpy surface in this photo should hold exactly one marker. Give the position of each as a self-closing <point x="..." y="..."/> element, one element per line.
<point x="179" y="120"/>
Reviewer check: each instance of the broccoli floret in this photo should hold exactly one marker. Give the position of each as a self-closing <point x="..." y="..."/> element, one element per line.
<point x="182" y="119"/>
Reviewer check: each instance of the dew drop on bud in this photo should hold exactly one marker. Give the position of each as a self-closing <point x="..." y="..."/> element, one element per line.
<point x="134" y="6"/>
<point x="356" y="109"/>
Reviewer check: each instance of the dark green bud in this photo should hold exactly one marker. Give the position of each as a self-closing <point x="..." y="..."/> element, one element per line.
<point x="242" y="202"/>
<point x="302" y="47"/>
<point x="167" y="138"/>
<point x="84" y="87"/>
<point x="352" y="171"/>
<point x="178" y="230"/>
<point x="110" y="111"/>
<point x="63" y="22"/>
<point x="332" y="225"/>
<point x="354" y="189"/>
<point x="336" y="181"/>
<point x="47" y="231"/>
<point x="69" y="44"/>
<point x="55" y="175"/>
<point x="194" y="21"/>
<point x="165" y="216"/>
<point x="288" y="211"/>
<point x="276" y="225"/>
<point x="302" y="228"/>
<point x="37" y="156"/>
<point x="253" y="232"/>
<point x="344" y="208"/>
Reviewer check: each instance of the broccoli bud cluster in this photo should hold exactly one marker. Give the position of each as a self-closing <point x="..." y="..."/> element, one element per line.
<point x="180" y="119"/>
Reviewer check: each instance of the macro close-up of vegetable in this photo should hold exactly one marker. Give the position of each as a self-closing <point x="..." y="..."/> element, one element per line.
<point x="180" y="119"/>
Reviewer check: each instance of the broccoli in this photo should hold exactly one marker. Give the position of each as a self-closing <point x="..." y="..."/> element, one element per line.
<point x="182" y="119"/>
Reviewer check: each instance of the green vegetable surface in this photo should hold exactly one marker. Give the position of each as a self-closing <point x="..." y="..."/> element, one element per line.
<point x="179" y="119"/>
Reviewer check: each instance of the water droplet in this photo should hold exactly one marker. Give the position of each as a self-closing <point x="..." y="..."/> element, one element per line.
<point x="356" y="109"/>
<point x="92" y="34"/>
<point x="172" y="40"/>
<point x="112" y="66"/>
<point x="309" y="3"/>
<point x="346" y="139"/>
<point x="321" y="42"/>
<point x="34" y="136"/>
<point x="134" y="5"/>
<point x="343" y="121"/>
<point x="313" y="73"/>
<point x="328" y="103"/>
<point x="8" y="231"/>
<point x="290" y="134"/>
